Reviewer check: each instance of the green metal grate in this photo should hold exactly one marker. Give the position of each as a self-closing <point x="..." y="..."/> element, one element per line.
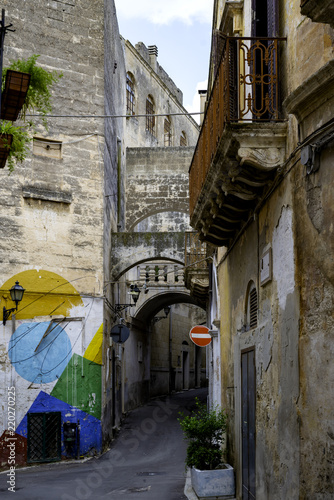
<point x="44" y="437"/>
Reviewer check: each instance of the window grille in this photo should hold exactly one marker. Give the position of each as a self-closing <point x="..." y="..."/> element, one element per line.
<point x="167" y="133"/>
<point x="183" y="139"/>
<point x="130" y="95"/>
<point x="150" y="120"/>
<point x="44" y="437"/>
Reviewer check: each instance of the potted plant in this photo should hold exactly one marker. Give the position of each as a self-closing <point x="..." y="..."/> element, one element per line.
<point x="14" y="94"/>
<point x="14" y="144"/>
<point x="37" y="99"/>
<point x="204" y="430"/>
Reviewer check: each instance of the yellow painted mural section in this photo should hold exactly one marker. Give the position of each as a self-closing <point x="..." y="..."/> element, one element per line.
<point x="46" y="294"/>
<point x="94" y="350"/>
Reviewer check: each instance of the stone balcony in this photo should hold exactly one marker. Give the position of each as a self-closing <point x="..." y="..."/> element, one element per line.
<point x="318" y="11"/>
<point x="242" y="140"/>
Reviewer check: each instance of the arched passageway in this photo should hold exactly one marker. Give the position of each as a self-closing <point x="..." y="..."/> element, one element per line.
<point x="159" y="356"/>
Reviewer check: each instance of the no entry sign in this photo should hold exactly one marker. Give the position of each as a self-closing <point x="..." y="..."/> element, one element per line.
<point x="200" y="335"/>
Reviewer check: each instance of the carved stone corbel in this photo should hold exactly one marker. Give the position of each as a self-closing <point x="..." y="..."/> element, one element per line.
<point x="261" y="158"/>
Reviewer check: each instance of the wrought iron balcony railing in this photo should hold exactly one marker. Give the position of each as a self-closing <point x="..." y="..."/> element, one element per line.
<point x="246" y="88"/>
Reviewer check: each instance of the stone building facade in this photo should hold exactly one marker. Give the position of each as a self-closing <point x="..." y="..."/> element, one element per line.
<point x="57" y="213"/>
<point x="263" y="199"/>
<point x="102" y="198"/>
<point x="148" y="249"/>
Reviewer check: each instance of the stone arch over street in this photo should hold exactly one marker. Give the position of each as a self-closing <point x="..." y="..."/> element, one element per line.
<point x="131" y="249"/>
<point x="148" y="309"/>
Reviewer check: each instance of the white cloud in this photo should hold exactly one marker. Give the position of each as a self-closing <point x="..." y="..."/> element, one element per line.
<point x="165" y="12"/>
<point x="195" y="106"/>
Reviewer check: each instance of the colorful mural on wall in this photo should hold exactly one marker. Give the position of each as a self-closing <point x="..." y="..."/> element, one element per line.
<point x="53" y="358"/>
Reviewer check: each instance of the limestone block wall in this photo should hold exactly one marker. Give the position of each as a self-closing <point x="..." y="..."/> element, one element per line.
<point x="114" y="189"/>
<point x="55" y="205"/>
<point x="52" y="228"/>
<point x="157" y="182"/>
<point x="150" y="79"/>
<point x="170" y="337"/>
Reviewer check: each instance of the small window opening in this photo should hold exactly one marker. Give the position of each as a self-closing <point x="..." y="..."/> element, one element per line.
<point x="130" y="95"/>
<point x="183" y="138"/>
<point x="167" y="132"/>
<point x="47" y="147"/>
<point x="150" y="120"/>
<point x="252" y="307"/>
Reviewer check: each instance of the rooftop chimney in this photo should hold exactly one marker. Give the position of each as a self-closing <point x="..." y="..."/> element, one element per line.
<point x="153" y="53"/>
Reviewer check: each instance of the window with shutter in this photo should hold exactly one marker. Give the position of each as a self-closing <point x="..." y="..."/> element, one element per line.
<point x="150" y="120"/>
<point x="251" y="306"/>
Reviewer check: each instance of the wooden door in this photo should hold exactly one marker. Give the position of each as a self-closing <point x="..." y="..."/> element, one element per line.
<point x="248" y="405"/>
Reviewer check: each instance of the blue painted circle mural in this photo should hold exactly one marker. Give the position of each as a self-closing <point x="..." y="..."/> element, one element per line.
<point x="39" y="352"/>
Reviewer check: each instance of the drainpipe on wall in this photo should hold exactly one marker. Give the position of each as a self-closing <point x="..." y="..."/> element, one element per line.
<point x="12" y="369"/>
<point x="170" y="351"/>
<point x="123" y="381"/>
<point x="202" y="97"/>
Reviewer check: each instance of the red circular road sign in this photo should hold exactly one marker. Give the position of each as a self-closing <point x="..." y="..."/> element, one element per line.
<point x="200" y="335"/>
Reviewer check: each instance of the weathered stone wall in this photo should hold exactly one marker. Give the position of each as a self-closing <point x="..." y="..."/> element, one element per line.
<point x="64" y="237"/>
<point x="315" y="250"/>
<point x="114" y="188"/>
<point x="275" y="339"/>
<point x="293" y="337"/>
<point x="152" y="80"/>
<point x="52" y="228"/>
<point x="172" y="335"/>
<point x="157" y="182"/>
<point x="163" y="76"/>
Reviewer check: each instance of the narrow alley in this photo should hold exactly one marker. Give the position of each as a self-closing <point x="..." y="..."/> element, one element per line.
<point x="145" y="462"/>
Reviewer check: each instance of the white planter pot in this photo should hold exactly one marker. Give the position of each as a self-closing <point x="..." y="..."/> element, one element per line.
<point x="213" y="483"/>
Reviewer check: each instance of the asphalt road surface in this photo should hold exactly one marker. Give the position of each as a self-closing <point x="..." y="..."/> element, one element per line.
<point x="145" y="462"/>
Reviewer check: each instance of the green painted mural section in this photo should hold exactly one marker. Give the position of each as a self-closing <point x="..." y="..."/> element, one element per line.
<point x="80" y="385"/>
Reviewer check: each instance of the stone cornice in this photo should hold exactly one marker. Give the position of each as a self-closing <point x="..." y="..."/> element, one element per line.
<point x="312" y="93"/>
<point x="319" y="11"/>
<point x="242" y="169"/>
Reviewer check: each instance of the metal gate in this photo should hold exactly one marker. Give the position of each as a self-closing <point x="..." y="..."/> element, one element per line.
<point x="44" y="437"/>
<point x="248" y="424"/>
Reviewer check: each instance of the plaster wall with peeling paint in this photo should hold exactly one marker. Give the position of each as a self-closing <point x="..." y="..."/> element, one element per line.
<point x="291" y="232"/>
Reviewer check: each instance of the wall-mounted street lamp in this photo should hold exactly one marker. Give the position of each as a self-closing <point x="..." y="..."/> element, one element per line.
<point x="134" y="294"/>
<point x="16" y="294"/>
<point x="158" y="318"/>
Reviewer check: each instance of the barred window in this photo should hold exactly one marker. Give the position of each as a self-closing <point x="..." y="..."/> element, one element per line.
<point x="183" y="138"/>
<point x="167" y="132"/>
<point x="130" y="95"/>
<point x="150" y="120"/>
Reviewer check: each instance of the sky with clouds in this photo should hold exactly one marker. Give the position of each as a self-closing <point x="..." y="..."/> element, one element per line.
<point x="181" y="29"/>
